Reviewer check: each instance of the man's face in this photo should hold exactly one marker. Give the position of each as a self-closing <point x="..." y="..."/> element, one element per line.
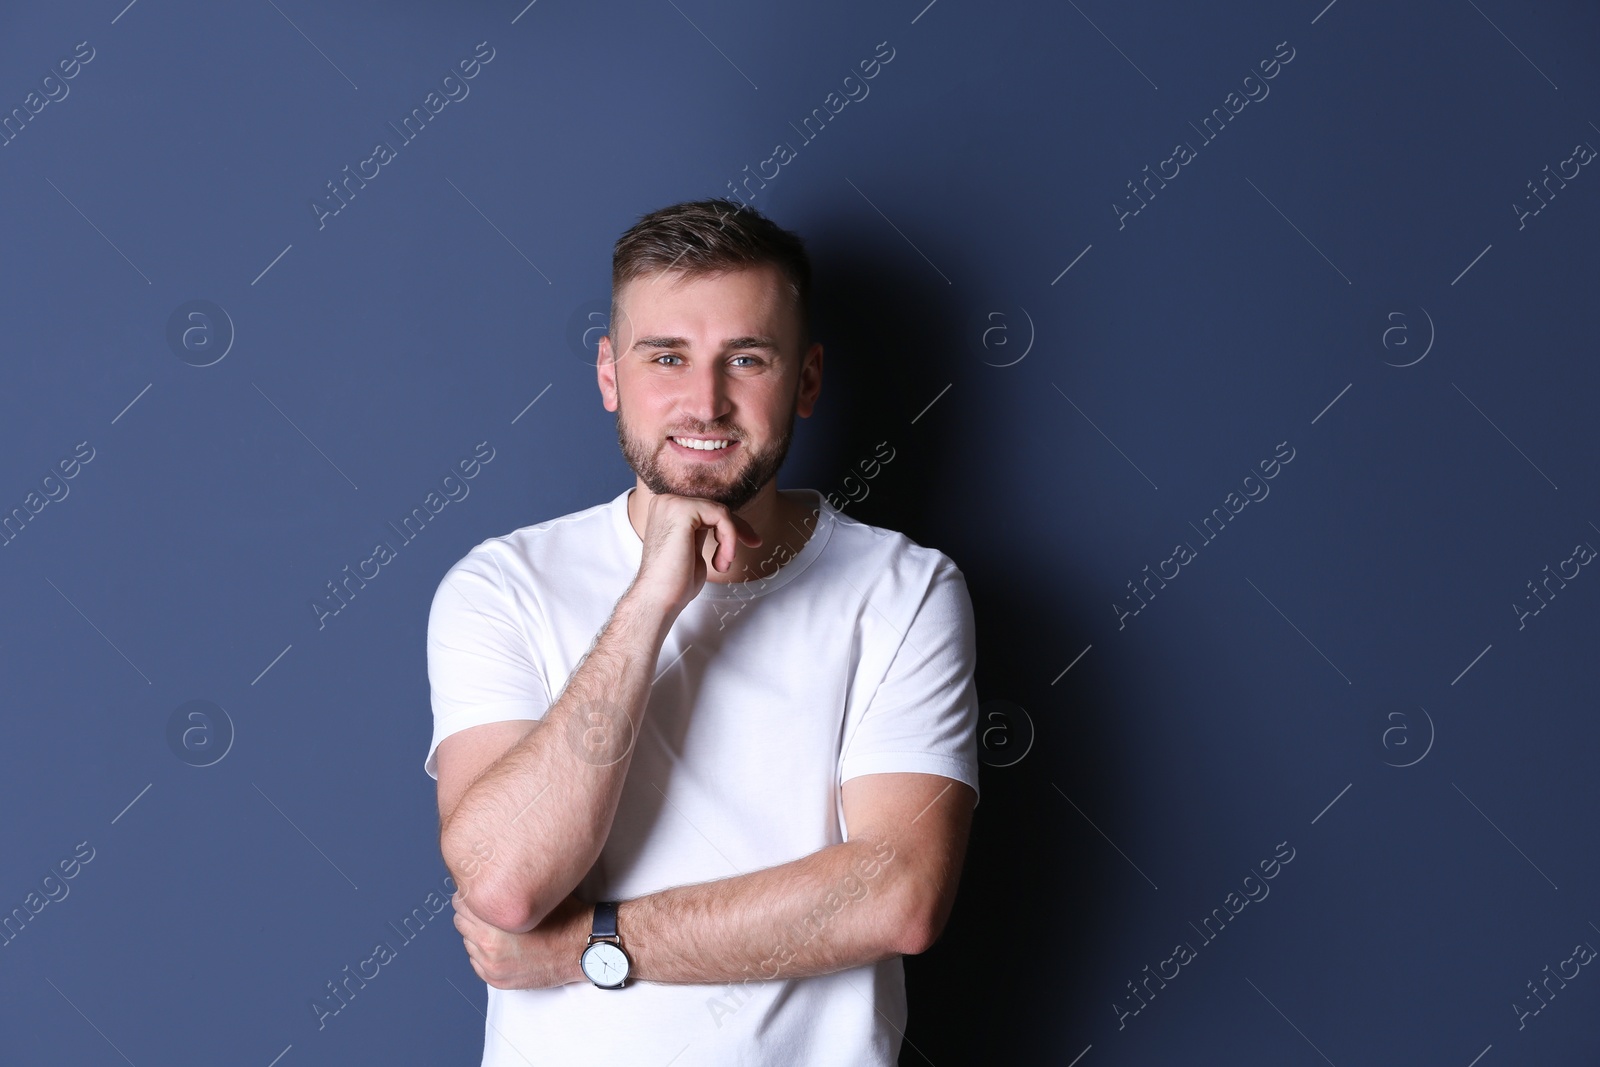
<point x="714" y="358"/>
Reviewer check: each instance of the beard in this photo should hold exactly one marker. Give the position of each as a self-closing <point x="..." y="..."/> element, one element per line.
<point x="731" y="485"/>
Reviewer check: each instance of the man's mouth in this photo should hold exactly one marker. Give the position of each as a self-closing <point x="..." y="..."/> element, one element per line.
<point x="702" y="444"/>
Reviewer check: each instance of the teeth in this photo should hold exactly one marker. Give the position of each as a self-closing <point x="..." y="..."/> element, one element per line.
<point x="704" y="446"/>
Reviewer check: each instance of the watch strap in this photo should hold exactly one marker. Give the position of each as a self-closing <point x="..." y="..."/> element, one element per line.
<point x="605" y="919"/>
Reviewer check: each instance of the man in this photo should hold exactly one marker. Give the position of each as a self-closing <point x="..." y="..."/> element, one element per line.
<point x="706" y="753"/>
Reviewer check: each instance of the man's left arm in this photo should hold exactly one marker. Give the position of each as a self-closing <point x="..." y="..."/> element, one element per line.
<point x="887" y="891"/>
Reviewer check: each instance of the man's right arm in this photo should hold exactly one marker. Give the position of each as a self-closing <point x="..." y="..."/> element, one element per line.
<point x="523" y="833"/>
<point x="520" y="837"/>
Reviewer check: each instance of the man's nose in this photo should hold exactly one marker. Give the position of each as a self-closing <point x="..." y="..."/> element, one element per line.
<point x="705" y="395"/>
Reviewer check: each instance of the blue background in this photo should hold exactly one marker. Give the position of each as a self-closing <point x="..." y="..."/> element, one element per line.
<point x="1341" y="670"/>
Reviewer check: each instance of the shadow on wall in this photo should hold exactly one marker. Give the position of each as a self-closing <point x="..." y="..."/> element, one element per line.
<point x="891" y="342"/>
<point x="893" y="339"/>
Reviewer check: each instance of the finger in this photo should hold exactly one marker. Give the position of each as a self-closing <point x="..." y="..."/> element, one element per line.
<point x="747" y="532"/>
<point x="700" y="534"/>
<point x="737" y="527"/>
<point x="726" y="533"/>
<point x="704" y="524"/>
<point x="729" y="530"/>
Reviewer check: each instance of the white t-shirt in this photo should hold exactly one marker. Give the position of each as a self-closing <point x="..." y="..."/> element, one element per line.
<point x="854" y="657"/>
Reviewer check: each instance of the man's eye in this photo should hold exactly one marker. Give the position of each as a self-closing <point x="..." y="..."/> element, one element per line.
<point x="754" y="360"/>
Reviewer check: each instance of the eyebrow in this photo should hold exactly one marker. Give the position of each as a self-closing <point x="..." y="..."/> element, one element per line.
<point x="683" y="342"/>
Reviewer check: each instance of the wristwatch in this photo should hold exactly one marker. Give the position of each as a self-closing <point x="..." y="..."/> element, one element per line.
<point x="603" y="959"/>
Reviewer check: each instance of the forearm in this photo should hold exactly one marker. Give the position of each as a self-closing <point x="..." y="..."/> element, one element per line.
<point x="527" y="830"/>
<point x="839" y="907"/>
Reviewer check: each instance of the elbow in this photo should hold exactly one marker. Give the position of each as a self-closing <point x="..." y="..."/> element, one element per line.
<point x="513" y="914"/>
<point x="480" y="880"/>
<point x="922" y="914"/>
<point x="500" y="902"/>
<point x="494" y="894"/>
<point x="917" y="938"/>
<point x="919" y="925"/>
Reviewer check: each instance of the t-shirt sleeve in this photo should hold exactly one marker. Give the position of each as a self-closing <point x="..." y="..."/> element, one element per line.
<point x="923" y="716"/>
<point x="481" y="665"/>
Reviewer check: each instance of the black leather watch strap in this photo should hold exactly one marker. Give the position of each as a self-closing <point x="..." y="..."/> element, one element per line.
<point x="605" y="919"/>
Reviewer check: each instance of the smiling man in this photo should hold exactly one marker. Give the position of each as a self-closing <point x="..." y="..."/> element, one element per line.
<point x="706" y="753"/>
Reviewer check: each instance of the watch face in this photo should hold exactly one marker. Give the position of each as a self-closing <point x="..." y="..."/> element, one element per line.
<point x="605" y="964"/>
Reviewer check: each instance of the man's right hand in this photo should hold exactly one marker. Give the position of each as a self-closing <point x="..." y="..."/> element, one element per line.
<point x="673" y="565"/>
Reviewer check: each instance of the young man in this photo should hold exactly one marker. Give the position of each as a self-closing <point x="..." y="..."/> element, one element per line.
<point x="706" y="753"/>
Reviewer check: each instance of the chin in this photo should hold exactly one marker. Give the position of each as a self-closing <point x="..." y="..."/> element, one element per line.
<point x="728" y="491"/>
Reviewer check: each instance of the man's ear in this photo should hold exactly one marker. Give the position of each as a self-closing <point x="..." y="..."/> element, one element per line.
<point x="606" y="374"/>
<point x="810" y="381"/>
